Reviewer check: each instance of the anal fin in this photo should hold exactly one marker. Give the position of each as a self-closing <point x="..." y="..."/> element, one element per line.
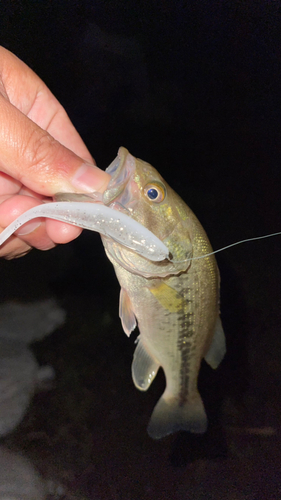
<point x="217" y="348"/>
<point x="144" y="368"/>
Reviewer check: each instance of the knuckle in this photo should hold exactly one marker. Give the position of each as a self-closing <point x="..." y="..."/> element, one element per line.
<point x="14" y="249"/>
<point x="17" y="255"/>
<point x="40" y="154"/>
<point x="39" y="150"/>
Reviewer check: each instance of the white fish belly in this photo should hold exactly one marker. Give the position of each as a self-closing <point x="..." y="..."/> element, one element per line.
<point x="177" y="341"/>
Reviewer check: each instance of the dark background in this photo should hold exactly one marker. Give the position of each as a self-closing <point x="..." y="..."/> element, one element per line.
<point x="194" y="89"/>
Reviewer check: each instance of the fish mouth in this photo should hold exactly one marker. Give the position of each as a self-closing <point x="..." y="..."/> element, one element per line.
<point x="122" y="194"/>
<point x="118" y="194"/>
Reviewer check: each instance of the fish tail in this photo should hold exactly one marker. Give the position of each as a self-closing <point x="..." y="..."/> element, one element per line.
<point x="169" y="416"/>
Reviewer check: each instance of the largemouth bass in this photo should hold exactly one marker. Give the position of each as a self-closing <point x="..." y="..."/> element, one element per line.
<point x="175" y="302"/>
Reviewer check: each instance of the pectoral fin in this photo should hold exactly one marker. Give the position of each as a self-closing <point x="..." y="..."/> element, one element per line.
<point x="126" y="313"/>
<point x="169" y="298"/>
<point x="217" y="348"/>
<point x="144" y="368"/>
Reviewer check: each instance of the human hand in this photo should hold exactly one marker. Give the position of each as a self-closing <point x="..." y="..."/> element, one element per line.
<point x="41" y="154"/>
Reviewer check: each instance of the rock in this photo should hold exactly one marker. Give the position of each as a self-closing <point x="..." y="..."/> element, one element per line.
<point x="18" y="378"/>
<point x="18" y="478"/>
<point x="31" y="321"/>
<point x="20" y="374"/>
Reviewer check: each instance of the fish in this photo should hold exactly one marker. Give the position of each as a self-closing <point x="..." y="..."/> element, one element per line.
<point x="174" y="302"/>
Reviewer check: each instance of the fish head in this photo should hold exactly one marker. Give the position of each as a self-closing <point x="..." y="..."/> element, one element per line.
<point x="137" y="189"/>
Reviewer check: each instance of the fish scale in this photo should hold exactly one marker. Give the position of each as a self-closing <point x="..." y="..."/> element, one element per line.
<point x="173" y="300"/>
<point x="184" y="345"/>
<point x="174" y="303"/>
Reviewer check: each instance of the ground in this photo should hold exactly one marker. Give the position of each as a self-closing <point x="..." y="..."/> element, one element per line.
<point x="194" y="89"/>
<point x="89" y="432"/>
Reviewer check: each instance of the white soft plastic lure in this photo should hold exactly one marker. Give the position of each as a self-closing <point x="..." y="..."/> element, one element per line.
<point x="100" y="218"/>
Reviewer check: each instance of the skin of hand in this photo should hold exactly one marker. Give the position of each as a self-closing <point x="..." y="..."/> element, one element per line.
<point x="41" y="154"/>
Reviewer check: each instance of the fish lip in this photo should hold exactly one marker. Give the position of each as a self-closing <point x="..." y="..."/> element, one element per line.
<point x="121" y="171"/>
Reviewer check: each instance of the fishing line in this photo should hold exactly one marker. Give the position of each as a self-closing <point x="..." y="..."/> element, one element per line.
<point x="229" y="246"/>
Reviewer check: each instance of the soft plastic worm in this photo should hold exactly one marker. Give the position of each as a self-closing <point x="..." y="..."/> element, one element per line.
<point x="100" y="218"/>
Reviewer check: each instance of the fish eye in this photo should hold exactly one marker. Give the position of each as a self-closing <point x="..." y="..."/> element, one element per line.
<point x="155" y="192"/>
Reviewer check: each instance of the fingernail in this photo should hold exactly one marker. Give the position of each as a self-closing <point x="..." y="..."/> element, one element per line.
<point x="28" y="228"/>
<point x="90" y="178"/>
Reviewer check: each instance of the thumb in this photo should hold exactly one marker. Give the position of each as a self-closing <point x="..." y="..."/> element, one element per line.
<point x="33" y="157"/>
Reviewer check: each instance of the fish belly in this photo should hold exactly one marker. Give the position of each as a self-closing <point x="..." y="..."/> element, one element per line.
<point x="176" y="319"/>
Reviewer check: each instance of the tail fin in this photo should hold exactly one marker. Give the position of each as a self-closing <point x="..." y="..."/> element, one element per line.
<point x="169" y="416"/>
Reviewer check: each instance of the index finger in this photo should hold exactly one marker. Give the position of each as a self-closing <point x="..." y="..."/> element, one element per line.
<point x="29" y="153"/>
<point x="28" y="93"/>
<point x="33" y="157"/>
